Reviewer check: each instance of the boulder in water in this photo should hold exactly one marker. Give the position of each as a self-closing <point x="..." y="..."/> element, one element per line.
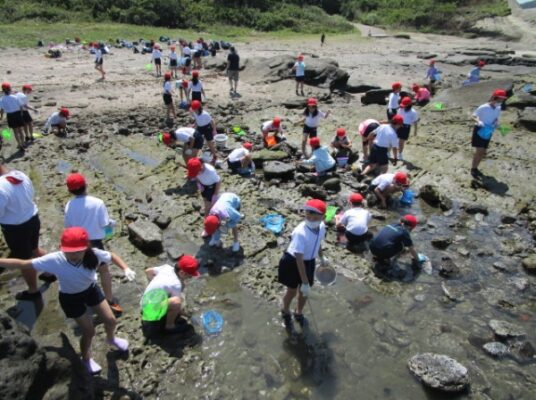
<point x="495" y="349"/>
<point x="145" y="235"/>
<point x="439" y="372"/>
<point x="529" y="263"/>
<point x="432" y="195"/>
<point x="264" y="155"/>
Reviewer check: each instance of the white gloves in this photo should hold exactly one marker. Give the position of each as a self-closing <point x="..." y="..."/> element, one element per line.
<point x="305" y="289"/>
<point x="129" y="274"/>
<point x="480" y="124"/>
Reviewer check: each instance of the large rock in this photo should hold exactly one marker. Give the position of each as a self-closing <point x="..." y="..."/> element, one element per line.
<point x="378" y="96"/>
<point x="528" y="118"/>
<point x="145" y="235"/>
<point x="521" y="100"/>
<point x="505" y="329"/>
<point x="529" y="263"/>
<point x="356" y="85"/>
<point x="278" y="170"/>
<point x="332" y="184"/>
<point x="472" y="95"/>
<point x="325" y="72"/>
<point x="312" y="190"/>
<point x="495" y="349"/>
<point x="439" y="372"/>
<point x="259" y="157"/>
<point x="432" y="195"/>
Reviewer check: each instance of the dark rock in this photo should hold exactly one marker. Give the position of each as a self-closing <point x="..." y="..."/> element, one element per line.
<point x="215" y="63"/>
<point x="355" y="85"/>
<point x="448" y="269"/>
<point x="377" y="96"/>
<point x="261" y="156"/>
<point x="529" y="263"/>
<point x="504" y="329"/>
<point x="522" y="352"/>
<point x="333" y="184"/>
<point x="521" y="100"/>
<point x="528" y="118"/>
<point x="508" y="219"/>
<point x="441" y="242"/>
<point x="402" y="36"/>
<point x="294" y="103"/>
<point x="162" y="221"/>
<point x="278" y="170"/>
<point x="305" y="168"/>
<point x="476" y="209"/>
<point x="313" y="191"/>
<point x="145" y="235"/>
<point x="432" y="195"/>
<point x="495" y="349"/>
<point x="439" y="372"/>
<point x="123" y="131"/>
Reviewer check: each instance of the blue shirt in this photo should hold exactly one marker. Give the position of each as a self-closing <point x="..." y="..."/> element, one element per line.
<point x="226" y="208"/>
<point x="321" y="159"/>
<point x="391" y="240"/>
<point x="432" y="71"/>
<point x="300" y="68"/>
<point x="474" y="74"/>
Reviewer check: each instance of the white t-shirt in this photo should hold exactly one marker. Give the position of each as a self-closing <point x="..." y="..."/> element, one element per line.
<point x="172" y="55"/>
<point x="166" y="279"/>
<point x="55" y="119"/>
<point x="186" y="51"/>
<point x="23" y="99"/>
<point x="72" y="278"/>
<point x="313" y="122"/>
<point x="16" y="200"/>
<point x="168" y="87"/>
<point x="410" y="117"/>
<point x="268" y="126"/>
<point x="306" y="241"/>
<point x="156" y="54"/>
<point x="184" y="134"/>
<point x="208" y="176"/>
<point x="385" y="136"/>
<point x="238" y="154"/>
<point x="88" y="212"/>
<point x="487" y="114"/>
<point x="98" y="55"/>
<point x="202" y="119"/>
<point x="394" y="100"/>
<point x="195" y="88"/>
<point x="300" y="68"/>
<point x="356" y="220"/>
<point x="10" y="103"/>
<point x="383" y="181"/>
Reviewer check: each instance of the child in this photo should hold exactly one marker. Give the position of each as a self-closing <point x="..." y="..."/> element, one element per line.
<point x="168" y="95"/>
<point x="91" y="214"/>
<point x="57" y="120"/>
<point x="26" y="117"/>
<point x="187" y="55"/>
<point x="474" y="75"/>
<point x="383" y="138"/>
<point x="196" y="87"/>
<point x="364" y="129"/>
<point x="208" y="180"/>
<point x="299" y="68"/>
<point x="341" y="144"/>
<point x="297" y="265"/>
<point x="172" y="281"/>
<point x="173" y="58"/>
<point x="76" y="267"/>
<point x="273" y="141"/>
<point x="432" y="72"/>
<point x="394" y="99"/>
<point x="224" y="214"/>
<point x="422" y="95"/>
<point x="233" y="69"/>
<point x="321" y="158"/>
<point x="354" y="222"/>
<point x="410" y="117"/>
<point x="11" y="105"/>
<point x="310" y="121"/>
<point x="184" y="92"/>
<point x="198" y="52"/>
<point x="486" y="119"/>
<point x="191" y="139"/>
<point x="239" y="160"/>
<point x="156" y="57"/>
<point x="99" y="60"/>
<point x="386" y="184"/>
<point x="205" y="125"/>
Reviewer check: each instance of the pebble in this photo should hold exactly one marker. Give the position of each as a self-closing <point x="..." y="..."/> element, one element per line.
<point x="495" y="349"/>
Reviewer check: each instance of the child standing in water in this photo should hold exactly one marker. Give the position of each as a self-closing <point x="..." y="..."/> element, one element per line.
<point x="26" y="117"/>
<point x="168" y="95"/>
<point x="299" y="68"/>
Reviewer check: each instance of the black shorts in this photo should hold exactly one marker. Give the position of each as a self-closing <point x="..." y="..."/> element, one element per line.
<point x="403" y="132"/>
<point x="234" y="166"/>
<point x="385" y="253"/>
<point x="187" y="61"/>
<point x="311" y="132"/>
<point x="196" y="96"/>
<point x="198" y="140"/>
<point x="172" y="63"/>
<point x="198" y="54"/>
<point x="26" y="117"/>
<point x="23" y="239"/>
<point x="14" y="120"/>
<point x="208" y="192"/>
<point x="288" y="274"/>
<point x="422" y="103"/>
<point x="157" y="61"/>
<point x="206" y="131"/>
<point x="300" y="78"/>
<point x="379" y="155"/>
<point x="357" y="239"/>
<point x="97" y="243"/>
<point x="168" y="99"/>
<point x="391" y="112"/>
<point x="477" y="141"/>
<point x="370" y="128"/>
<point x="99" y="62"/>
<point x="75" y="305"/>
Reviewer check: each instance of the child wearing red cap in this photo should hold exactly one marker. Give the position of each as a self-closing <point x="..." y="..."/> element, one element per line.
<point x="208" y="180"/>
<point x="168" y="95"/>
<point x="195" y="86"/>
<point x="365" y="128"/>
<point x="76" y="267"/>
<point x="156" y="58"/>
<point x="296" y="268"/>
<point x="342" y="144"/>
<point x="11" y="105"/>
<point x="191" y="140"/>
<point x="205" y="125"/>
<point x="311" y="120"/>
<point x="272" y="133"/>
<point x="320" y="158"/>
<point x="198" y="52"/>
<point x="239" y="161"/>
<point x="391" y="241"/>
<point x="299" y="69"/>
<point x="26" y="117"/>
<point x="172" y="280"/>
<point x="186" y="53"/>
<point x="385" y="185"/>
<point x="393" y="100"/>
<point x="173" y="61"/>
<point x="224" y="215"/>
<point x="354" y="222"/>
<point x="474" y="75"/>
<point x="184" y="92"/>
<point x="410" y="118"/>
<point x="383" y="138"/>
<point x="422" y="95"/>
<point x="486" y="118"/>
<point x="57" y="121"/>
<point x="99" y="60"/>
<point x="432" y="73"/>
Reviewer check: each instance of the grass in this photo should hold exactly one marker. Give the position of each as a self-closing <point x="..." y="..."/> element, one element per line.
<point x="27" y="33"/>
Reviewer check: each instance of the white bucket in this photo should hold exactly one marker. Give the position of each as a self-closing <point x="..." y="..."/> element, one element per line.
<point x="221" y="140"/>
<point x="206" y="157"/>
<point x="342" y="161"/>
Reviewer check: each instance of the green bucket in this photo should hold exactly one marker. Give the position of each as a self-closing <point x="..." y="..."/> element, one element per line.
<point x="149" y="67"/>
<point x="439" y="106"/>
<point x="330" y="213"/>
<point x="6" y="134"/>
<point x="237" y="129"/>
<point x="505" y="129"/>
<point x="154" y="305"/>
<point x="160" y="137"/>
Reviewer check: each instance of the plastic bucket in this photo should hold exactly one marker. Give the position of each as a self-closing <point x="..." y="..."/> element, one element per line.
<point x="206" y="157"/>
<point x="221" y="141"/>
<point x="407" y="198"/>
<point x="342" y="162"/>
<point x="326" y="275"/>
<point x="330" y="213"/>
<point x="154" y="305"/>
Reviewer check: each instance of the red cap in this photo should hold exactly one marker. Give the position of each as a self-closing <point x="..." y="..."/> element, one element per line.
<point x="195" y="74"/>
<point x="189" y="265"/>
<point x="341" y="132"/>
<point x="481" y="63"/>
<point x="314" y="142"/>
<point x="65" y="112"/>
<point x="74" y="239"/>
<point x="194" y="167"/>
<point x="156" y="46"/>
<point x="172" y="47"/>
<point x="356" y="198"/>
<point x="6" y="86"/>
<point x="247" y="145"/>
<point x="415" y="87"/>
<point x="397" y="120"/>
<point x="184" y="83"/>
<point x="276" y="122"/>
<point x="196" y="105"/>
<point x="75" y="181"/>
<point x="316" y="206"/>
<point x="406" y="101"/>
<point x="410" y="220"/>
<point x="396" y="86"/>
<point x="499" y="93"/>
<point x="212" y="223"/>
<point x="431" y="62"/>
<point x="166" y="138"/>
<point x="401" y="178"/>
<point x="27" y="87"/>
<point x="167" y="76"/>
<point x="312" y="102"/>
<point x="300" y="57"/>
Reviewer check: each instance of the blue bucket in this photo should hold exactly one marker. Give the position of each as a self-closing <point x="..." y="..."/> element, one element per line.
<point x="273" y="222"/>
<point x="407" y="197"/>
<point x="212" y="322"/>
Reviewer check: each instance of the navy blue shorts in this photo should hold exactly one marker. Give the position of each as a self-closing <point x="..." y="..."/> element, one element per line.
<point x="172" y="63"/>
<point x="403" y="132"/>
<point x="167" y="99"/>
<point x="379" y="155"/>
<point x="300" y="78"/>
<point x="157" y="61"/>
<point x="391" y="112"/>
<point x="477" y="141"/>
<point x="311" y="132"/>
<point x="75" y="305"/>
<point x="15" y="120"/>
<point x="196" y="96"/>
<point x="23" y="239"/>
<point x="206" y="131"/>
<point x="288" y="273"/>
<point x="234" y="166"/>
<point x="198" y="140"/>
<point x="208" y="192"/>
<point x="26" y="117"/>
